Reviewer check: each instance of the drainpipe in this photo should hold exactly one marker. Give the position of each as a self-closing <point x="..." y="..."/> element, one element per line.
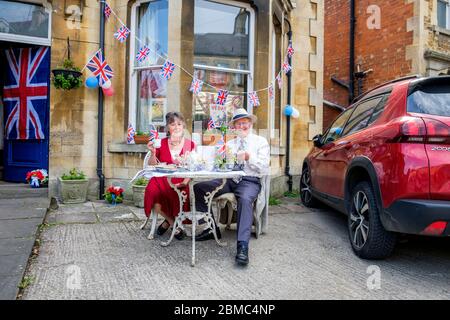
<point x="288" y="118"/>
<point x="100" y="175"/>
<point x="351" y="87"/>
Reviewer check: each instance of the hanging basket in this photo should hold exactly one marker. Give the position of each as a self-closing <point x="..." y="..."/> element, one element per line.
<point x="66" y="73"/>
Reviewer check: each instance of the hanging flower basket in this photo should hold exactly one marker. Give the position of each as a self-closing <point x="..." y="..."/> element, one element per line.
<point x="67" y="77"/>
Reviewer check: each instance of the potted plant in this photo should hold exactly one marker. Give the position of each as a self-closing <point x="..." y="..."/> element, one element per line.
<point x="138" y="191"/>
<point x="74" y="186"/>
<point x="67" y="77"/>
<point x="141" y="137"/>
<point x="114" y="195"/>
<point x="37" y="178"/>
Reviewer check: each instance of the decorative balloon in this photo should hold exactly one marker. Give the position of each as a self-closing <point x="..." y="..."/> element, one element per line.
<point x="92" y="82"/>
<point x="106" y="85"/>
<point x="290" y="111"/>
<point x="108" y="92"/>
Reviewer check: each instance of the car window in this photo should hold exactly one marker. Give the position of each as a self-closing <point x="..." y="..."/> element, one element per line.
<point x="431" y="99"/>
<point x="335" y="130"/>
<point x="360" y="117"/>
<point x="378" y="110"/>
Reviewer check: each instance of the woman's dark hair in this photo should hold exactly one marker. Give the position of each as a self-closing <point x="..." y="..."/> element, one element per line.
<point x="171" y="117"/>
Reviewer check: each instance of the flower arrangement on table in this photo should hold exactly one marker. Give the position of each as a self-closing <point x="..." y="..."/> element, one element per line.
<point x="37" y="178"/>
<point x="226" y="160"/>
<point x="114" y="195"/>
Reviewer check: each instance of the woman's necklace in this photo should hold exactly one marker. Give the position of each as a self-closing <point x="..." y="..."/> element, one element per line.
<point x="175" y="143"/>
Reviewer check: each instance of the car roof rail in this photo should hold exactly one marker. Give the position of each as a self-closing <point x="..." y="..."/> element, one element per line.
<point x="414" y="76"/>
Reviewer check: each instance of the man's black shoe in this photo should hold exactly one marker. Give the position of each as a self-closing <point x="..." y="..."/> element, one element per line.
<point x="242" y="253"/>
<point x="208" y="234"/>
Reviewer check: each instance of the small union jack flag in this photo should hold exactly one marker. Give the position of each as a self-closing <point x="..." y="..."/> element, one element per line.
<point x="286" y="67"/>
<point x="143" y="54"/>
<point x="221" y="149"/>
<point x="107" y="10"/>
<point x="122" y="34"/>
<point x="101" y="70"/>
<point x="211" y="124"/>
<point x="153" y="134"/>
<point x="196" y="86"/>
<point x="167" y="70"/>
<point x="271" y="92"/>
<point x="253" y="99"/>
<point x="130" y="134"/>
<point x="290" y="51"/>
<point x="222" y="97"/>
<point x="279" y="80"/>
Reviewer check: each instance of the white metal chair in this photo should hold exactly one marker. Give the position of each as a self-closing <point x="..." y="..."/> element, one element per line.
<point x="153" y="214"/>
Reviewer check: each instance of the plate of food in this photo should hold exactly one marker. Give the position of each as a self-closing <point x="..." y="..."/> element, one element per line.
<point x="166" y="168"/>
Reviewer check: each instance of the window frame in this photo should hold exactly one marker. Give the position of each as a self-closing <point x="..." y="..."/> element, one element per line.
<point x="29" y="39"/>
<point x="350" y="111"/>
<point x="447" y="3"/>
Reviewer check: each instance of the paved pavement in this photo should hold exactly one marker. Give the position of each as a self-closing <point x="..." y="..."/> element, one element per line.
<point x="96" y="251"/>
<point x="22" y="210"/>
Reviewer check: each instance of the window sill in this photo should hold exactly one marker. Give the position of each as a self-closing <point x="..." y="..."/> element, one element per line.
<point x="441" y="30"/>
<point x="127" y="148"/>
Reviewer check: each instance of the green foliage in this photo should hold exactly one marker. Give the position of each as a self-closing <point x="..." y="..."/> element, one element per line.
<point x="141" y="181"/>
<point x="274" y="201"/>
<point x="292" y="194"/>
<point x="109" y="199"/>
<point x="26" y="281"/>
<point x="74" y="174"/>
<point x="142" y="133"/>
<point x="68" y="82"/>
<point x="69" y="65"/>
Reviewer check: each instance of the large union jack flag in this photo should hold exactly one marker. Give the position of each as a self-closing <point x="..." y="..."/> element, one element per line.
<point x="101" y="70"/>
<point x="25" y="92"/>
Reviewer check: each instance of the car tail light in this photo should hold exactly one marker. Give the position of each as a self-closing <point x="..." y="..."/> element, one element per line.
<point x="435" y="229"/>
<point x="418" y="130"/>
<point x="437" y="132"/>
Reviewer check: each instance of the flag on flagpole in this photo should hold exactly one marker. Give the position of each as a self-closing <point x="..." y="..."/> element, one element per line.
<point x="221" y="148"/>
<point x="286" y="67"/>
<point x="211" y="124"/>
<point x="290" y="51"/>
<point x="101" y="70"/>
<point x="253" y="99"/>
<point x="221" y="97"/>
<point x="130" y="134"/>
<point x="196" y="86"/>
<point x="122" y="34"/>
<point x="167" y="70"/>
<point x="279" y="80"/>
<point x="107" y="10"/>
<point x="142" y="54"/>
<point x="271" y="92"/>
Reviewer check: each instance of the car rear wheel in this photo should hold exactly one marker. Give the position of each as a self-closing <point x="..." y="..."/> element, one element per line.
<point x="367" y="235"/>
<point x="305" y="190"/>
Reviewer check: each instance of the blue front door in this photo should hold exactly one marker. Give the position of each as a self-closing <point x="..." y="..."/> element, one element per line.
<point x="26" y="106"/>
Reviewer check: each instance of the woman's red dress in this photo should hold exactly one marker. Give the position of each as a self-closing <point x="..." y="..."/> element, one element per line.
<point x="158" y="189"/>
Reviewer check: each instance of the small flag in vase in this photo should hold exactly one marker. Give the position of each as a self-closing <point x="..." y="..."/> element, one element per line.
<point x="130" y="134"/>
<point x="221" y="149"/>
<point x="211" y="124"/>
<point x="143" y="54"/>
<point x="280" y="80"/>
<point x="271" y="92"/>
<point x="167" y="70"/>
<point x="122" y="34"/>
<point x="286" y="67"/>
<point x="107" y="11"/>
<point x="196" y="86"/>
<point x="290" y="51"/>
<point x="253" y="99"/>
<point x="101" y="70"/>
<point x="222" y="97"/>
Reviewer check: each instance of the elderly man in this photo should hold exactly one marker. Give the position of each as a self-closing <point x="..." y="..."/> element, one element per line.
<point x="253" y="153"/>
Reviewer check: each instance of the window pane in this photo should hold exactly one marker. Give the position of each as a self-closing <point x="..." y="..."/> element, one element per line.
<point x="152" y="23"/>
<point x="151" y="99"/>
<point x="335" y="130"/>
<point x="432" y="99"/>
<point x="23" y="19"/>
<point x="205" y="100"/>
<point x="378" y="110"/>
<point x="361" y="116"/>
<point x="221" y="35"/>
<point x="442" y="14"/>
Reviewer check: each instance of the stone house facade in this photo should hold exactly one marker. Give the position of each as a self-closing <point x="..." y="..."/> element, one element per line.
<point x="235" y="44"/>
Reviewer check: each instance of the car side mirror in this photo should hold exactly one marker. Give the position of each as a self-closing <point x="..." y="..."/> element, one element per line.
<point x="317" y="140"/>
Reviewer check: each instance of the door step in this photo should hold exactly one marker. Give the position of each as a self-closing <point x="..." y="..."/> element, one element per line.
<point x="10" y="190"/>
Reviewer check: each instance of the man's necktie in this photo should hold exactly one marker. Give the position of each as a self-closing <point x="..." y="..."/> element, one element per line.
<point x="242" y="147"/>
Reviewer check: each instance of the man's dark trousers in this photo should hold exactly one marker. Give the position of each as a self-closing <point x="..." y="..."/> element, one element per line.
<point x="246" y="192"/>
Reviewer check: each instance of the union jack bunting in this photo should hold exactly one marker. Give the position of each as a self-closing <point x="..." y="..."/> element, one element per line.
<point x="290" y="51"/>
<point x="279" y="80"/>
<point x="286" y="67"/>
<point x="271" y="92"/>
<point x="130" y="135"/>
<point x="222" y="97"/>
<point x="25" y="92"/>
<point x="196" y="86"/>
<point x="100" y="68"/>
<point x="253" y="99"/>
<point x="122" y="34"/>
<point x="107" y="10"/>
<point x="167" y="70"/>
<point x="211" y="124"/>
<point x="143" y="54"/>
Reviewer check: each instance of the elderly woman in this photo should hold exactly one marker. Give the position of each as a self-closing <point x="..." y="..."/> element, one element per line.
<point x="159" y="196"/>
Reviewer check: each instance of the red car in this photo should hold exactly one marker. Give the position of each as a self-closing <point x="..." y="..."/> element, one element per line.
<point x="385" y="162"/>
